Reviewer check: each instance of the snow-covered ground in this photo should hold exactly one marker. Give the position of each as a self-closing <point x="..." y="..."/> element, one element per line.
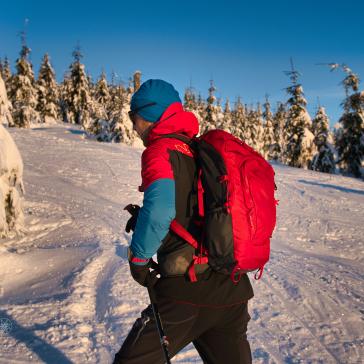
<point x="66" y="295"/>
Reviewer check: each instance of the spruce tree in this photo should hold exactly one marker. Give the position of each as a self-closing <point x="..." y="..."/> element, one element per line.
<point x="349" y="139"/>
<point x="48" y="95"/>
<point x="299" y="146"/>
<point x="77" y="99"/>
<point x="323" y="161"/>
<point x="268" y="132"/>
<point x="22" y="93"/>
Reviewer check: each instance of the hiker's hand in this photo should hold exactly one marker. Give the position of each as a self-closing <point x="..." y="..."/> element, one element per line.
<point x="142" y="273"/>
<point x="134" y="212"/>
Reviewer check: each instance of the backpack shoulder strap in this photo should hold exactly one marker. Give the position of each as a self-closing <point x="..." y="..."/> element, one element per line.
<point x="189" y="141"/>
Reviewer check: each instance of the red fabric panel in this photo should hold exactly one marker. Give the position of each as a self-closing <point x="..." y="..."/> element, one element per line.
<point x="155" y="158"/>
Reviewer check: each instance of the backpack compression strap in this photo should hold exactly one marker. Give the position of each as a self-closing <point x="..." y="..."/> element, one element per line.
<point x="201" y="258"/>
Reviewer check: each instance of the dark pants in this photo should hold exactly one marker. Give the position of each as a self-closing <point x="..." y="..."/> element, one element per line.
<point x="218" y="334"/>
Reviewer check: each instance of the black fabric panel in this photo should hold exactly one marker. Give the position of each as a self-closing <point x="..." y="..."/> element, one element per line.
<point x="175" y="255"/>
<point x="218" y="224"/>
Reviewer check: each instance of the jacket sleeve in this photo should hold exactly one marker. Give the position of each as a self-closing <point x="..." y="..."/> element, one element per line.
<point x="158" y="208"/>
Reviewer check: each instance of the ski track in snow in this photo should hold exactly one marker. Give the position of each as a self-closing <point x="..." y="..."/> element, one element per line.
<point x="65" y="285"/>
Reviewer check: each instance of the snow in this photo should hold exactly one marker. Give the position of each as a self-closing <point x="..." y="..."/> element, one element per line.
<point x="65" y="285"/>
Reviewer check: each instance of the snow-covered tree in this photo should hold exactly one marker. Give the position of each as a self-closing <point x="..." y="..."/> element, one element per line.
<point x="137" y="77"/>
<point x="121" y="128"/>
<point x="11" y="185"/>
<point x="238" y="125"/>
<point x="23" y="93"/>
<point x="190" y="102"/>
<point x="77" y="101"/>
<point x="279" y="122"/>
<point x="48" y="104"/>
<point x="323" y="160"/>
<point x="210" y="120"/>
<point x="226" y="121"/>
<point x="299" y="146"/>
<point x="6" y="72"/>
<point x="102" y="98"/>
<point x="349" y="139"/>
<point x="219" y="113"/>
<point x="268" y="132"/>
<point x="5" y="105"/>
<point x="255" y="124"/>
<point x="102" y="112"/>
<point x="195" y="104"/>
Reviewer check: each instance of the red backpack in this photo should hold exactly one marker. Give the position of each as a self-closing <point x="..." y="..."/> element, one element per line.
<point x="236" y="202"/>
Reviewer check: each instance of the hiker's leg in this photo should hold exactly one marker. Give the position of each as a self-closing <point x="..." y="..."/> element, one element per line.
<point x="142" y="344"/>
<point x="227" y="342"/>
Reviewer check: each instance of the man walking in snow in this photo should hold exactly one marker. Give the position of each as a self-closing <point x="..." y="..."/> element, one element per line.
<point x="212" y="313"/>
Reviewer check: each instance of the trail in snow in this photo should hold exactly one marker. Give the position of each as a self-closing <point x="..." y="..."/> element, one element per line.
<point x="65" y="286"/>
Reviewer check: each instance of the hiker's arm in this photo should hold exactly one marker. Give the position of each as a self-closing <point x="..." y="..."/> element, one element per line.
<point x="154" y="218"/>
<point x="158" y="208"/>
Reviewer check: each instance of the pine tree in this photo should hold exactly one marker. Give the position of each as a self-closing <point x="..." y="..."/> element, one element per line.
<point x="77" y="101"/>
<point x="349" y="139"/>
<point x="323" y="160"/>
<point x="299" y="146"/>
<point x="268" y="132"/>
<point x="22" y="93"/>
<point x="48" y="95"/>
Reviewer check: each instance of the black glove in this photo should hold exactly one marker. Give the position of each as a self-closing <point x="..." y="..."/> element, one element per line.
<point x="142" y="273"/>
<point x="134" y="212"/>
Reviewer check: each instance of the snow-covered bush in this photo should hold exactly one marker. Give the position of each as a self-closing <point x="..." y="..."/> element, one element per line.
<point x="5" y="105"/>
<point x="11" y="173"/>
<point x="11" y="185"/>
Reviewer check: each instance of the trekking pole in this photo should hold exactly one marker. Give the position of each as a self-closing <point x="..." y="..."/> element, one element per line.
<point x="162" y="335"/>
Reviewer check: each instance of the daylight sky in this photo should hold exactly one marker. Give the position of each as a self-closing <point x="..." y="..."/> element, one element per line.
<point x="244" y="46"/>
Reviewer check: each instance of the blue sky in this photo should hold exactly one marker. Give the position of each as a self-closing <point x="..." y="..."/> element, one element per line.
<point x="244" y="46"/>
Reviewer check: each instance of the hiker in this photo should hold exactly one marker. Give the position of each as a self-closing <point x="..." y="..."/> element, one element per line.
<point x="211" y="311"/>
